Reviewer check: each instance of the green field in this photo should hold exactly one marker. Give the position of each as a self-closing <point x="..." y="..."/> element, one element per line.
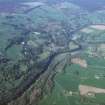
<point x="70" y="80"/>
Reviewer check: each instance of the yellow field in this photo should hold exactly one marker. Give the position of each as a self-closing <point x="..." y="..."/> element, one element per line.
<point x="91" y="28"/>
<point x="89" y="90"/>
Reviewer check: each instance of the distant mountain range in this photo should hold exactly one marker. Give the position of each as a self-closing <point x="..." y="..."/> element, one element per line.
<point x="91" y="5"/>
